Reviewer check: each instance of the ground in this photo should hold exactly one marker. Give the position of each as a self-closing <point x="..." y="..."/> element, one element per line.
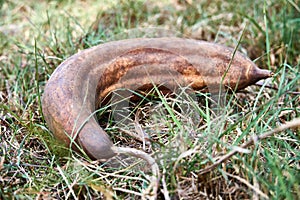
<point x="35" y="37"/>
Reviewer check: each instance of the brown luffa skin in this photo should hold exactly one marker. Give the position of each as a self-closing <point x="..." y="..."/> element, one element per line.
<point x="78" y="86"/>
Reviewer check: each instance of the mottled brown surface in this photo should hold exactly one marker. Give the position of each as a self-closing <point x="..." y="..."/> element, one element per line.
<point x="83" y="80"/>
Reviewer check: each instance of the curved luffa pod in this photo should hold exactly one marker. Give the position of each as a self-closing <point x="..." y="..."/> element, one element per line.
<point x="77" y="87"/>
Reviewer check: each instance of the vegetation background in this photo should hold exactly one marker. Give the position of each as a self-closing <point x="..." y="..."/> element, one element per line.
<point x="36" y="36"/>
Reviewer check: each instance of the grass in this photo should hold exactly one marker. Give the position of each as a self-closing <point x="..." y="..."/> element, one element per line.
<point x="36" y="37"/>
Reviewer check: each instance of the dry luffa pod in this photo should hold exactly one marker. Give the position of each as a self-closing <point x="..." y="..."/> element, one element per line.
<point x="77" y="87"/>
